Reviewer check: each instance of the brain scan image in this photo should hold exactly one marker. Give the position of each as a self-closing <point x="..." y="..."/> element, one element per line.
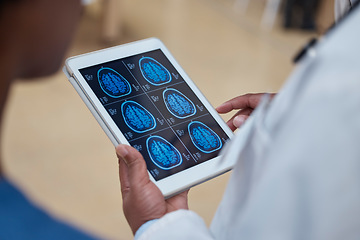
<point x="178" y="104"/>
<point x="162" y="153"/>
<point x="154" y="72"/>
<point x="137" y="118"/>
<point x="205" y="139"/>
<point x="112" y="83"/>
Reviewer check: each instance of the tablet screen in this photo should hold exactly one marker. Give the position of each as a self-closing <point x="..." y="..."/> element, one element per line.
<point x="157" y="112"/>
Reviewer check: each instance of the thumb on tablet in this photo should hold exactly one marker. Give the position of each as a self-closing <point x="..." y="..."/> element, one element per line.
<point x="135" y="172"/>
<point x="142" y="200"/>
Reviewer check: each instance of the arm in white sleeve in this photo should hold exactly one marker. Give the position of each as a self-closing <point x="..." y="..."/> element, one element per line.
<point x="181" y="224"/>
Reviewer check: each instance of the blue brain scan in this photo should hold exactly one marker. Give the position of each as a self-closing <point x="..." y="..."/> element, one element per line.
<point x="112" y="83"/>
<point x="154" y="72"/>
<point x="137" y="118"/>
<point x="162" y="153"/>
<point x="178" y="104"/>
<point x="205" y="139"/>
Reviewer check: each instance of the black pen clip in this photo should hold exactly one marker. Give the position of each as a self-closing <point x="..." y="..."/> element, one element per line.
<point x="304" y="50"/>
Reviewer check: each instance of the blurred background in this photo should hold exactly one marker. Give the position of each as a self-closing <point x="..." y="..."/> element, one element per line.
<point x="54" y="149"/>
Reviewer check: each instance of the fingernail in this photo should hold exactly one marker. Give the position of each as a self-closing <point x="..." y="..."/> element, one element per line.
<point x="238" y="121"/>
<point x="122" y="152"/>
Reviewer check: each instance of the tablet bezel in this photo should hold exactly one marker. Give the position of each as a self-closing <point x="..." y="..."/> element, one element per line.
<point x="174" y="183"/>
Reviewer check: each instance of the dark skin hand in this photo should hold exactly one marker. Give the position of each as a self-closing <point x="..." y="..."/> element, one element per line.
<point x="142" y="199"/>
<point x="245" y="105"/>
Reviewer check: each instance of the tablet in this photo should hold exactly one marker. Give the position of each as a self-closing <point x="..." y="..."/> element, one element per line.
<point x="141" y="96"/>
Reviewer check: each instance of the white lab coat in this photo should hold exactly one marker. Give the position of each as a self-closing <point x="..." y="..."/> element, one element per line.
<point x="342" y="7"/>
<point x="298" y="173"/>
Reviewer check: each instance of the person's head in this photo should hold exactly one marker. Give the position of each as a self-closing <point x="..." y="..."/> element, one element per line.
<point x="36" y="34"/>
<point x="34" y="37"/>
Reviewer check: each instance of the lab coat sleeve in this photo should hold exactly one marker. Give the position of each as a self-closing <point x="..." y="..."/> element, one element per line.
<point x="181" y="224"/>
<point x="341" y="8"/>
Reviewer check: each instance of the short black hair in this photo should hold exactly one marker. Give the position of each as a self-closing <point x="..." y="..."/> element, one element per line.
<point x="3" y="3"/>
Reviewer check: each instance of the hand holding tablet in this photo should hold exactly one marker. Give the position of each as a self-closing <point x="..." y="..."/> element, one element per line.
<point x="141" y="96"/>
<point x="142" y="200"/>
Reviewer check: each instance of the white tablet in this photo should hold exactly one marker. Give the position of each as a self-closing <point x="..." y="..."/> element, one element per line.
<point x="141" y="96"/>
